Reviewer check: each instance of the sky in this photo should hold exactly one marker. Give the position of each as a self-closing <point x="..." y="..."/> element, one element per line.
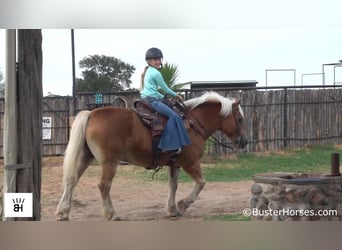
<point x="303" y="39"/>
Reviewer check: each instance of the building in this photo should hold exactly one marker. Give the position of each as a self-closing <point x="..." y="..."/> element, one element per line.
<point x="207" y="85"/>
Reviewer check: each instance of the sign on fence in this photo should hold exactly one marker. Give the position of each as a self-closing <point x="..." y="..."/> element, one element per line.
<point x="47" y="121"/>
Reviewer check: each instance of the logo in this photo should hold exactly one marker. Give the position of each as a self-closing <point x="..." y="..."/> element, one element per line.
<point x="18" y="205"/>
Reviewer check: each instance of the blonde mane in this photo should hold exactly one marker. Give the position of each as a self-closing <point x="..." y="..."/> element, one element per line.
<point x="226" y="103"/>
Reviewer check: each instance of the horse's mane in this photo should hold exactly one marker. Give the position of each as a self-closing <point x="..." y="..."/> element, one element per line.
<point x="226" y="103"/>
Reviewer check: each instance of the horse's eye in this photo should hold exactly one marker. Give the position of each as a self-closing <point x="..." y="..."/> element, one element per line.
<point x="240" y="119"/>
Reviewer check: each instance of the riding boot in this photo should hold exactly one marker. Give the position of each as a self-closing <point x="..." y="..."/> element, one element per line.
<point x="156" y="152"/>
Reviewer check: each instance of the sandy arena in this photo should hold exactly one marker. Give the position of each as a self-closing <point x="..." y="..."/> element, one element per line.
<point x="139" y="200"/>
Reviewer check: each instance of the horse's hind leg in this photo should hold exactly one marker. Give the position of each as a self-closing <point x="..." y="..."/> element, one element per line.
<point x="63" y="209"/>
<point x="196" y="174"/>
<point x="172" y="210"/>
<point x="108" y="173"/>
<point x="64" y="206"/>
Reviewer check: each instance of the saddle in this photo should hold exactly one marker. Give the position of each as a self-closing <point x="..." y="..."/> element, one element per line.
<point x="156" y="122"/>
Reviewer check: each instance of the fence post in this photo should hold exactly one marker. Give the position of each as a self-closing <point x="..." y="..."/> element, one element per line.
<point x="285" y="118"/>
<point x="335" y="164"/>
<point x="10" y="142"/>
<point x="30" y="98"/>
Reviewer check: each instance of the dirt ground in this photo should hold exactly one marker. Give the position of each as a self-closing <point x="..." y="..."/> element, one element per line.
<point x="139" y="200"/>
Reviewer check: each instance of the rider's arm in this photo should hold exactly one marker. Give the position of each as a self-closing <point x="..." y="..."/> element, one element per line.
<point x="161" y="83"/>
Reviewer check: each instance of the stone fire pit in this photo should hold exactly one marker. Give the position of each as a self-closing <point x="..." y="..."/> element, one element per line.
<point x="295" y="196"/>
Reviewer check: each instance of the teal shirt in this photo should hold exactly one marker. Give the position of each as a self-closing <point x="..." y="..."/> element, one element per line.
<point x="152" y="82"/>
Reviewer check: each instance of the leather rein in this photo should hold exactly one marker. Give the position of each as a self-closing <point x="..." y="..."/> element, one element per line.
<point x="211" y="138"/>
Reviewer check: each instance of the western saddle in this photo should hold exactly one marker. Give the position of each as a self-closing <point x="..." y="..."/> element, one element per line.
<point x="155" y="122"/>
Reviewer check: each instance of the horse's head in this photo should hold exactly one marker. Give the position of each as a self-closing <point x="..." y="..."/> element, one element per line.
<point x="234" y="126"/>
<point x="230" y="119"/>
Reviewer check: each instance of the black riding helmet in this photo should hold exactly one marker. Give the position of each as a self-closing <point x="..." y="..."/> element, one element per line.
<point x="153" y="53"/>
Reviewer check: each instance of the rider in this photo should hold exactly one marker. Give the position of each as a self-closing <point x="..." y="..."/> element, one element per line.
<point x="174" y="136"/>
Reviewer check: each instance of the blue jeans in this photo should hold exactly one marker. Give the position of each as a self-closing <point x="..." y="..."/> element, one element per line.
<point x="174" y="135"/>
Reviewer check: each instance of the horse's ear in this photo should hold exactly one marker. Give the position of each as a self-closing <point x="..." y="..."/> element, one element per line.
<point x="237" y="102"/>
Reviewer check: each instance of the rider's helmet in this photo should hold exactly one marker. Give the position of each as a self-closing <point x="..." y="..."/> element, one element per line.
<point x="153" y="53"/>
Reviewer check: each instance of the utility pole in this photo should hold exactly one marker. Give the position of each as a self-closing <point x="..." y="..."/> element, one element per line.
<point x="73" y="73"/>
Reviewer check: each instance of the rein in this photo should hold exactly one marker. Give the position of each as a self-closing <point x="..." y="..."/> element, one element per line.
<point x="229" y="145"/>
<point x="211" y="138"/>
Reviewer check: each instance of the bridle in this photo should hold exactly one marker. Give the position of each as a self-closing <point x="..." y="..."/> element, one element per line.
<point x="211" y="138"/>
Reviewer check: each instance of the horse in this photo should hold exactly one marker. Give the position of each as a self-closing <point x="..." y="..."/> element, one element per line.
<point x="112" y="134"/>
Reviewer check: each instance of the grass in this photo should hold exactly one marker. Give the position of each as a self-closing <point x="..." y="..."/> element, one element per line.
<point x="227" y="217"/>
<point x="312" y="159"/>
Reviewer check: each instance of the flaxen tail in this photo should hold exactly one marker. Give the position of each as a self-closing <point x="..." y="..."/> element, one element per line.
<point x="76" y="145"/>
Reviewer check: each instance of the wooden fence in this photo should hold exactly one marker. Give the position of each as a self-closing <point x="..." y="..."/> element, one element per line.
<point x="289" y="118"/>
<point x="275" y="119"/>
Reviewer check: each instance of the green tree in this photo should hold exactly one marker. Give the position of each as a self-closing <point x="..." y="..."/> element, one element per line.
<point x="104" y="74"/>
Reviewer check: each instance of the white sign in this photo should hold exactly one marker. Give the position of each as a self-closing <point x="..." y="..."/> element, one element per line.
<point x="18" y="205"/>
<point x="47" y="121"/>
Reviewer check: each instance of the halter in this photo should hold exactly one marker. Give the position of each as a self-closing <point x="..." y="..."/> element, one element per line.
<point x="229" y="145"/>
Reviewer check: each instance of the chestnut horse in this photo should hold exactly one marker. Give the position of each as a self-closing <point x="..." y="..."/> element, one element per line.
<point x="112" y="134"/>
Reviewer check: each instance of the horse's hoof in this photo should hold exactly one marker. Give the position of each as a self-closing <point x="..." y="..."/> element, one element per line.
<point x="62" y="218"/>
<point x="182" y="206"/>
<point x="174" y="214"/>
<point x="116" y="218"/>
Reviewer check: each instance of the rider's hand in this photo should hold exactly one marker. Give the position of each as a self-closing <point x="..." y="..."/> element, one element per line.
<point x="179" y="98"/>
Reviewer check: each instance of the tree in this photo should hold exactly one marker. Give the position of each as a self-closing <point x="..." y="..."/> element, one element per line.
<point x="170" y="74"/>
<point x="104" y="74"/>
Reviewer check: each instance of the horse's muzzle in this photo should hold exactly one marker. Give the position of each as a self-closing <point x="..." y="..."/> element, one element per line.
<point x="241" y="142"/>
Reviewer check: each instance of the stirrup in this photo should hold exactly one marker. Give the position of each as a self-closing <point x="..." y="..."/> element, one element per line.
<point x="173" y="152"/>
<point x="154" y="165"/>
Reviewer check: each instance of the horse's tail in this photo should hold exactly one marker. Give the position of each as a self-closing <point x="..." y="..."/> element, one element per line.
<point x="75" y="147"/>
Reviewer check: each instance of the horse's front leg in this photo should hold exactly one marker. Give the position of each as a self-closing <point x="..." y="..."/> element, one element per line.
<point x="172" y="210"/>
<point x="196" y="174"/>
